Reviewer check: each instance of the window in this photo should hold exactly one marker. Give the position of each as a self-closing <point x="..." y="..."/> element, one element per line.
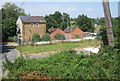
<point x="32" y="25"/>
<point x="37" y="25"/>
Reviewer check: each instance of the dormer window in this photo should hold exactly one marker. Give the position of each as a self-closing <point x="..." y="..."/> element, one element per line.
<point x="32" y="25"/>
<point x="37" y="24"/>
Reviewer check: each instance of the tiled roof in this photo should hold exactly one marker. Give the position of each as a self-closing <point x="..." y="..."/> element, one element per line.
<point x="68" y="30"/>
<point x="34" y="19"/>
<point x="52" y="29"/>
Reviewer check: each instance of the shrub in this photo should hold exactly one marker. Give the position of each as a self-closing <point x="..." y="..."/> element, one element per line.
<point x="76" y="36"/>
<point x="59" y="36"/>
<point x="35" y="37"/>
<point x="46" y="37"/>
<point x="11" y="39"/>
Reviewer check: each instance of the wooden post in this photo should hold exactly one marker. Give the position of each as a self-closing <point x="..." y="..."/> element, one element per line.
<point x="108" y="22"/>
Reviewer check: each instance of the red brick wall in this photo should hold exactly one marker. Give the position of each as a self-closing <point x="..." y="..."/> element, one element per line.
<point x="56" y="32"/>
<point x="74" y="32"/>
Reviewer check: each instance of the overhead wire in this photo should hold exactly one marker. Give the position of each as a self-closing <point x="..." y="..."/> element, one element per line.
<point x="21" y="4"/>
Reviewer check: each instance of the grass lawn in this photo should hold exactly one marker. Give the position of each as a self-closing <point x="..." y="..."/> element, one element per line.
<point x="56" y="47"/>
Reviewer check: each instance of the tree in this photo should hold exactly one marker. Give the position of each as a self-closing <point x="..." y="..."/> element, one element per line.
<point x="50" y="22"/>
<point x="63" y="25"/>
<point x="108" y="22"/>
<point x="10" y="13"/>
<point x="66" y="19"/>
<point x="58" y="20"/>
<point x="85" y="23"/>
<point x="116" y="27"/>
<point x="99" y="21"/>
<point x="57" y="16"/>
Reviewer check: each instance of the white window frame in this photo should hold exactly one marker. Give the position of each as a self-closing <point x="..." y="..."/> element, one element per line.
<point x="32" y="25"/>
<point x="37" y="25"/>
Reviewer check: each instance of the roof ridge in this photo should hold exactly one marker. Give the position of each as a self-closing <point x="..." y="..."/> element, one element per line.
<point x="32" y="19"/>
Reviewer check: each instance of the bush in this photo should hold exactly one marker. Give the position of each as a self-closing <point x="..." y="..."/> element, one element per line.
<point x="46" y="37"/>
<point x="76" y="36"/>
<point x="35" y="37"/>
<point x="59" y="36"/>
<point x="11" y="39"/>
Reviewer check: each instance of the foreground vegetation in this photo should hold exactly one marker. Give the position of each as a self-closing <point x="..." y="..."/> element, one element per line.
<point x="56" y="47"/>
<point x="67" y="65"/>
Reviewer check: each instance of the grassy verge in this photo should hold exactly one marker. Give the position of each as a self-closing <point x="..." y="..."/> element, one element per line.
<point x="56" y="47"/>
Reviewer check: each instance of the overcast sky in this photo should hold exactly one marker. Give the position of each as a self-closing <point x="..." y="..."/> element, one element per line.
<point x="91" y="9"/>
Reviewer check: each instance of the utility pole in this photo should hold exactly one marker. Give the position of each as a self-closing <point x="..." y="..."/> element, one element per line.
<point x="108" y="22"/>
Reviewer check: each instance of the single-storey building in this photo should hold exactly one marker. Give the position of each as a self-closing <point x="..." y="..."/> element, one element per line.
<point x="73" y="33"/>
<point x="86" y="34"/>
<point x="54" y="31"/>
<point x="29" y="25"/>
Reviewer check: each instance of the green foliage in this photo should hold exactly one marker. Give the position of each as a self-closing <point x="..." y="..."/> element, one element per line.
<point x="58" y="20"/>
<point x="85" y="23"/>
<point x="116" y="28"/>
<point x="35" y="37"/>
<point x="59" y="36"/>
<point x="99" y="21"/>
<point x="69" y="65"/>
<point x="48" y="48"/>
<point x="11" y="39"/>
<point x="76" y="36"/>
<point x="46" y="37"/>
<point x="102" y="35"/>
<point x="7" y="64"/>
<point x="10" y="13"/>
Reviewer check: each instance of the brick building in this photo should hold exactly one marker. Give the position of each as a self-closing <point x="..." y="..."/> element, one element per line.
<point x="72" y="33"/>
<point x="54" y="31"/>
<point x="29" y="25"/>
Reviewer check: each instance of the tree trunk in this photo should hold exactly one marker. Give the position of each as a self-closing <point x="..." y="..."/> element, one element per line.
<point x="108" y="22"/>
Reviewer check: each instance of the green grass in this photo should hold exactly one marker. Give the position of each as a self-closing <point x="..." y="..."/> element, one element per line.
<point x="56" y="47"/>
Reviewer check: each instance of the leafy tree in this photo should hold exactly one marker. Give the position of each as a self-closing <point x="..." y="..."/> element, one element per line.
<point x="116" y="28"/>
<point x="99" y="21"/>
<point x="50" y="22"/>
<point x="66" y="20"/>
<point x="35" y="37"/>
<point x="46" y="37"/>
<point x="102" y="35"/>
<point x="10" y="13"/>
<point x="59" y="36"/>
<point x="8" y="27"/>
<point x="57" y="16"/>
<point x="58" y="20"/>
<point x="63" y="25"/>
<point x="85" y="23"/>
